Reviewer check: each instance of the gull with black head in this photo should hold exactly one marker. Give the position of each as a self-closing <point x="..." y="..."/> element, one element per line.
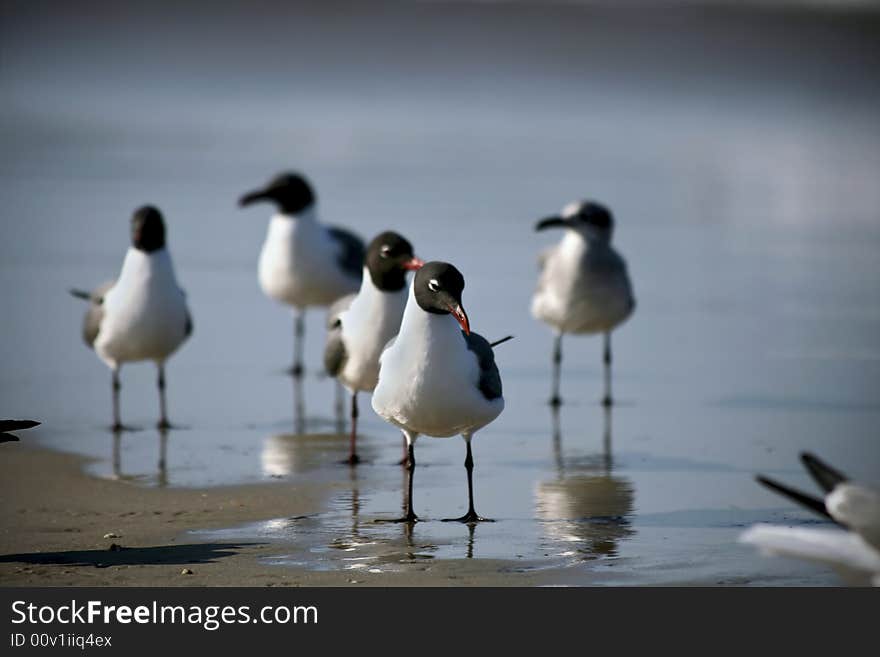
<point x="361" y="325"/>
<point x="584" y="286"/>
<point x="436" y="377"/>
<point x="143" y="314"/>
<point x="303" y="262"/>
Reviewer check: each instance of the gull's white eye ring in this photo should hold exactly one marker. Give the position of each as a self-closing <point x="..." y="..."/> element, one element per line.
<point x="433" y="285"/>
<point x="384" y="251"/>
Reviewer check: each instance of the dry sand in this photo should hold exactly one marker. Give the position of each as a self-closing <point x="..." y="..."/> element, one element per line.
<point x="55" y="519"/>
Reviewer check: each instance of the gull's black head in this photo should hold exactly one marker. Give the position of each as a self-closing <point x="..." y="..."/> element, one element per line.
<point x="438" y="287"/>
<point x="291" y="192"/>
<point x="589" y="218"/>
<point x="147" y="229"/>
<point x="389" y="257"/>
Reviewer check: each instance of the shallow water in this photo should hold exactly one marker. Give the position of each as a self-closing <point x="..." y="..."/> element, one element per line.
<point x="744" y="183"/>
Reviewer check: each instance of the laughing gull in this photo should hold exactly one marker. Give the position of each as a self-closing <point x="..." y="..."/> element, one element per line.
<point x="853" y="549"/>
<point x="143" y="314"/>
<point x="584" y="286"/>
<point x="365" y="323"/>
<point x="7" y="426"/>
<point x="303" y="262"/>
<point x="436" y="377"/>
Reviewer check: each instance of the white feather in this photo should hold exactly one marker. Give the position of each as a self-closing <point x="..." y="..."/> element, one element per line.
<point x="145" y="314"/>
<point x="846" y="551"/>
<point x="583" y="286"/>
<point x="429" y="379"/>
<point x="372" y="319"/>
<point x="299" y="263"/>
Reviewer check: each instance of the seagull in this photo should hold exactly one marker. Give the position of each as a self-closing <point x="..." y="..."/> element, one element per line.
<point x="7" y="426"/>
<point x="437" y="377"/>
<point x="364" y="323"/>
<point x="142" y="315"/>
<point x="303" y="262"/>
<point x="853" y="549"/>
<point x="583" y="286"/>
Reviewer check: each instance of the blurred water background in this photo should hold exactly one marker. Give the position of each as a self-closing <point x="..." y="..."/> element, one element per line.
<point x="738" y="147"/>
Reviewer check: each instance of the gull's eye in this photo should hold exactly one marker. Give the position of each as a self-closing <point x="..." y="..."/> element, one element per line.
<point x="433" y="285"/>
<point x="384" y="251"/>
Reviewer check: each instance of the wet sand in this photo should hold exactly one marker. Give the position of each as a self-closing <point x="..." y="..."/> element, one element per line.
<point x="55" y="519"/>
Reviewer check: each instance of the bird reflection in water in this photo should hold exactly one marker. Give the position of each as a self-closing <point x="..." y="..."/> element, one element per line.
<point x="345" y="534"/>
<point x="287" y="454"/>
<point x="299" y="406"/>
<point x="350" y="501"/>
<point x="586" y="507"/>
<point x="162" y="466"/>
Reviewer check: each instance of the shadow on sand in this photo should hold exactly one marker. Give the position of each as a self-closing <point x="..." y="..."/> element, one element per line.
<point x="141" y="556"/>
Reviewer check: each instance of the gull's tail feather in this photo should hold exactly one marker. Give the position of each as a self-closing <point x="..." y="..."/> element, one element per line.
<point x="501" y="341"/>
<point x="824" y="475"/>
<point x="812" y="503"/>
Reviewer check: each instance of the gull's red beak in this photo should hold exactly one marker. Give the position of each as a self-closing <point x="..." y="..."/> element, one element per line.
<point x="414" y="264"/>
<point x="461" y="317"/>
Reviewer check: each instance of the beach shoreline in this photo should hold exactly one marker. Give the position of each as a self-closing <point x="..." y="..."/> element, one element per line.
<point x="63" y="527"/>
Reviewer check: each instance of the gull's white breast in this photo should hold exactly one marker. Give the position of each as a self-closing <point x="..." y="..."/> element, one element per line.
<point x="583" y="287"/>
<point x="299" y="263"/>
<point x="145" y="314"/>
<point x="428" y="378"/>
<point x="369" y="323"/>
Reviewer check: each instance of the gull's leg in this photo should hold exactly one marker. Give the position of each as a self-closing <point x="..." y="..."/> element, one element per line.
<point x="299" y="406"/>
<point x="116" y="386"/>
<point x="162" y="477"/>
<point x="471" y="515"/>
<point x="339" y="406"/>
<point x="163" y="410"/>
<point x="405" y="456"/>
<point x="353" y="458"/>
<point x="299" y="329"/>
<point x="606" y="400"/>
<point x="555" y="399"/>
<point x="410" y="516"/>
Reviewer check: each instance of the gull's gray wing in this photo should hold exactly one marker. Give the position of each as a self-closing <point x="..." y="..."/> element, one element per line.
<point x="352" y="253"/>
<point x="490" y="378"/>
<point x="334" y="347"/>
<point x="95" y="313"/>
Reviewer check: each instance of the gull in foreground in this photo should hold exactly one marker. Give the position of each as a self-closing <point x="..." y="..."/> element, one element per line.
<point x="363" y="324"/>
<point x="142" y="315"/>
<point x="853" y="549"/>
<point x="437" y="377"/>
<point x="303" y="262"/>
<point x="583" y="285"/>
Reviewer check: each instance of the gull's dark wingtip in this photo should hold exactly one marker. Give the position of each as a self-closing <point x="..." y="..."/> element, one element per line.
<point x="823" y="474"/>
<point x="18" y="425"/>
<point x="814" y="504"/>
